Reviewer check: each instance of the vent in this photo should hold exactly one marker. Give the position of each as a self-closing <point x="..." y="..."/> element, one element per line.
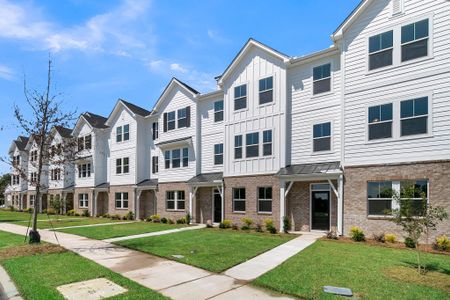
<point x="397" y="7"/>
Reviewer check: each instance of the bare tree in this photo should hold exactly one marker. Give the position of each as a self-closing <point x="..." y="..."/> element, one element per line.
<point x="46" y="114"/>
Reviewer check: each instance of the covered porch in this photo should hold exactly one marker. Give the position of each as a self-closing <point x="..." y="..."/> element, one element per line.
<point x="146" y="198"/>
<point x="101" y="200"/>
<point x="311" y="196"/>
<point x="206" y="198"/>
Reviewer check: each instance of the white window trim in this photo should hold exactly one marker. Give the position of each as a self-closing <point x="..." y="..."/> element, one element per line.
<point x="121" y="207"/>
<point x="241" y="146"/>
<point x="263" y="199"/>
<point x="175" y="120"/>
<point x="381" y="122"/>
<point x="325" y="152"/>
<point x="273" y="75"/>
<point x="331" y="91"/>
<point x="223" y="111"/>
<point x="84" y="200"/>
<point x="246" y="108"/>
<point x="122" y="166"/>
<point x="178" y="118"/>
<point x="271" y="143"/>
<point x="218" y="154"/>
<point x="176" y="199"/>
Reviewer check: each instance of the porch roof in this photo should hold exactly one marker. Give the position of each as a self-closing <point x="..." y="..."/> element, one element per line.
<point x="148" y="184"/>
<point x="68" y="188"/>
<point x="103" y="186"/>
<point x="175" y="142"/>
<point x="311" y="171"/>
<point x="206" y="179"/>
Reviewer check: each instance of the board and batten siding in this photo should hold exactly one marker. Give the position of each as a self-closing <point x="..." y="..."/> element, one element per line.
<point x="427" y="76"/>
<point x="256" y="64"/>
<point x="308" y="109"/>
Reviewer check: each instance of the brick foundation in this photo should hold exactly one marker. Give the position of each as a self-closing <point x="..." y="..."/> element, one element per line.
<point x="161" y="200"/>
<point x="76" y="202"/>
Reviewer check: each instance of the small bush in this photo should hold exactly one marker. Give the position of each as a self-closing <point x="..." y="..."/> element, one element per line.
<point x="155" y="218"/>
<point x="390" y="237"/>
<point x="129" y="216"/>
<point x="107" y="216"/>
<point x="225" y="224"/>
<point x="269" y="226"/>
<point x="379" y="237"/>
<point x="85" y="213"/>
<point x="116" y="217"/>
<point x="332" y="235"/>
<point x="170" y="221"/>
<point x="51" y="211"/>
<point x="76" y="214"/>
<point x="357" y="234"/>
<point x="188" y="218"/>
<point x="148" y="219"/>
<point x="44" y="211"/>
<point x="70" y="212"/>
<point x="286" y="224"/>
<point x="164" y="220"/>
<point x="29" y="210"/>
<point x="258" y="227"/>
<point x="442" y="243"/>
<point x="11" y="208"/>
<point x="247" y="223"/>
<point x="409" y="242"/>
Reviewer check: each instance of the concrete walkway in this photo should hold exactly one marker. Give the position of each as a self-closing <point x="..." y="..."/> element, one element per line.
<point x="170" y="278"/>
<point x="267" y="261"/>
<point x="8" y="290"/>
<point x="142" y="235"/>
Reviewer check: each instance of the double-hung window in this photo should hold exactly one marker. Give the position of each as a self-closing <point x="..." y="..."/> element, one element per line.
<point x="322" y="137"/>
<point x="267" y="142"/>
<point x="252" y="144"/>
<point x="265" y="199"/>
<point x="379" y="197"/>
<point x="415" y="39"/>
<point x="170" y="120"/>
<point x="80" y="143"/>
<point x="33" y="177"/>
<point x="83" y="200"/>
<point x="176" y="160"/>
<point x="416" y="193"/>
<point x="185" y="157"/>
<point x="154" y="164"/>
<point x="118" y="166"/>
<point x="15" y="179"/>
<point x="238" y="199"/>
<point x="55" y="174"/>
<point x="84" y="170"/>
<point x="266" y="90"/>
<point x="122" y="133"/>
<point x="175" y="200"/>
<point x="122" y="200"/>
<point x="119" y="135"/>
<point x="88" y="142"/>
<point x="218" y="154"/>
<point x="322" y="79"/>
<point x="381" y="48"/>
<point x="414" y="116"/>
<point x="218" y="111"/>
<point x="182" y="117"/>
<point x="240" y="97"/>
<point x="238" y="147"/>
<point x="380" y="121"/>
<point x="167" y="159"/>
<point x="123" y="165"/>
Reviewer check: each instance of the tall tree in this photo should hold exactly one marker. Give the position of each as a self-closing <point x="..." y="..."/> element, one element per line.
<point x="5" y="179"/>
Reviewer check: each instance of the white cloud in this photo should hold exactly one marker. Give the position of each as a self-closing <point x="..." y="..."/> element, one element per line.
<point x="215" y="36"/>
<point x="6" y="73"/>
<point x="178" y="68"/>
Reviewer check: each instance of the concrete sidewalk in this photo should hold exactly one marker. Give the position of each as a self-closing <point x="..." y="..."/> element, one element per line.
<point x="170" y="278"/>
<point x="142" y="235"/>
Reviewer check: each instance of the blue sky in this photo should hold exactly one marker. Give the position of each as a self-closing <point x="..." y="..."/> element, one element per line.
<point x="109" y="49"/>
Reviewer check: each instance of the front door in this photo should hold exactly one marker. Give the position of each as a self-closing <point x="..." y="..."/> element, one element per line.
<point x="320" y="213"/>
<point x="217" y="207"/>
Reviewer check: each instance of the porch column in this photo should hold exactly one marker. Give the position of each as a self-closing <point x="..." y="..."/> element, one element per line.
<point x="64" y="199"/>
<point x="340" y="205"/>
<point x="94" y="204"/>
<point x="191" y="200"/>
<point x="222" y="202"/>
<point x="282" y="203"/>
<point x="40" y="202"/>
<point x="137" y="213"/>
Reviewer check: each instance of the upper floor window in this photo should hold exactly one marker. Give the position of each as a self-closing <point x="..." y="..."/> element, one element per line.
<point x="322" y="79"/>
<point x="185" y="157"/>
<point x="121" y="200"/>
<point x="16" y="160"/>
<point x="15" y="179"/>
<point x="155" y="131"/>
<point x="238" y="147"/>
<point x="83" y="200"/>
<point x="240" y="97"/>
<point x="267" y="142"/>
<point x="55" y="174"/>
<point x="154" y="164"/>
<point x="322" y="137"/>
<point x="123" y="133"/>
<point x="33" y="177"/>
<point x="380" y="50"/>
<point x="123" y="165"/>
<point x="167" y="159"/>
<point x="218" y="111"/>
<point x="252" y="144"/>
<point x="415" y="40"/>
<point x="170" y="121"/>
<point x="266" y="90"/>
<point x="218" y="154"/>
<point x="380" y="121"/>
<point x="84" y="170"/>
<point x="182" y="117"/>
<point x="176" y="158"/>
<point x="33" y="155"/>
<point x="88" y="142"/>
<point x="414" y="116"/>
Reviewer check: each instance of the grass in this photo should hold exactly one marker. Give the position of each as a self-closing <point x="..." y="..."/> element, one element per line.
<point x="212" y="249"/>
<point x="37" y="276"/>
<point x="9" y="240"/>
<point x="372" y="272"/>
<point x="14" y="216"/>
<point x="119" y="230"/>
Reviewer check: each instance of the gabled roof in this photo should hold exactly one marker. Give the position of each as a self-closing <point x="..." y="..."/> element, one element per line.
<point x="63" y="131"/>
<point x="21" y="144"/>
<point x="337" y="34"/>
<point x="96" y="121"/>
<point x="250" y="43"/>
<point x="133" y="109"/>
<point x="174" y="82"/>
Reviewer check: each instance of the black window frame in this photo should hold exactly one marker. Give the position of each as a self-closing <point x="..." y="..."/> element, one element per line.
<point x="317" y="80"/>
<point x="218" y="111"/>
<point x="322" y="136"/>
<point x="218" y="154"/>
<point x="266" y="90"/>
<point x="252" y="145"/>
<point x="384" y="50"/>
<point x="239" y="195"/>
<point x="240" y="97"/>
<point x="385" y="120"/>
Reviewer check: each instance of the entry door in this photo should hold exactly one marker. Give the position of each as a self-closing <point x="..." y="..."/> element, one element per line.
<point x="320" y="214"/>
<point x="217" y="207"/>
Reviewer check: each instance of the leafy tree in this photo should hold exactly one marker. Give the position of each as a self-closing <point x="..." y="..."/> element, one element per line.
<point x="5" y="179"/>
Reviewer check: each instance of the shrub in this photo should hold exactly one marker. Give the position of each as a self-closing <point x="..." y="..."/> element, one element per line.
<point x="106" y="216"/>
<point x="357" y="234"/>
<point x="286" y="224"/>
<point x="44" y="211"/>
<point x="170" y="221"/>
<point x="390" y="237"/>
<point x="247" y="223"/>
<point x="76" y="214"/>
<point x="379" y="237"/>
<point x="442" y="243"/>
<point x="332" y="235"/>
<point x="70" y="212"/>
<point x="188" y="218"/>
<point x="181" y="220"/>
<point x="148" y="219"/>
<point x="164" y="220"/>
<point x="225" y="224"/>
<point x="11" y="208"/>
<point x="269" y="226"/>
<point x="410" y="243"/>
<point x="258" y="227"/>
<point x="85" y="213"/>
<point x="155" y="218"/>
<point x="129" y="216"/>
<point x="115" y="217"/>
<point x="29" y="210"/>
<point x="51" y="211"/>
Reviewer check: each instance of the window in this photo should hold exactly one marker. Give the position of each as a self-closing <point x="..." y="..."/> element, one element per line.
<point x="175" y="200"/>
<point x="380" y="50"/>
<point x="252" y="144"/>
<point x="122" y="200"/>
<point x="267" y="142"/>
<point x="84" y="170"/>
<point x="32" y="200"/>
<point x="218" y="154"/>
<point x="380" y="121"/>
<point x="155" y="131"/>
<point x="155" y="164"/>
<point x="126" y="132"/>
<point x="80" y="143"/>
<point x="88" y="142"/>
<point x="16" y="160"/>
<point x="322" y="137"/>
<point x="238" y="199"/>
<point x="118" y="166"/>
<point x="123" y="165"/>
<point x="266" y="90"/>
<point x="322" y="79"/>
<point x="379" y="196"/>
<point x="55" y="174"/>
<point x="15" y="179"/>
<point x="33" y="177"/>
<point x="176" y="158"/>
<point x="167" y="159"/>
<point x="171" y="120"/>
<point x="415" y="40"/>
<point x="119" y="134"/>
<point x="182" y="118"/>
<point x="185" y="157"/>
<point x="218" y="111"/>
<point x="240" y="97"/>
<point x="238" y="147"/>
<point x="123" y="133"/>
<point x="33" y="155"/>
<point x="416" y="191"/>
<point x="265" y="199"/>
<point x="83" y="200"/>
<point x="414" y="116"/>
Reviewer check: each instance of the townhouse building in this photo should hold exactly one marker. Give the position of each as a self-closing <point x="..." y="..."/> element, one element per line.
<point x="18" y="186"/>
<point x="324" y="140"/>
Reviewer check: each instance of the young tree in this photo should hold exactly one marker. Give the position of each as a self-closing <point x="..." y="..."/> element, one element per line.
<point x="46" y="114"/>
<point x="416" y="217"/>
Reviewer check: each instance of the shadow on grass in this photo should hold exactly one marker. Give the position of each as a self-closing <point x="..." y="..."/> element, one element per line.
<point x="429" y="267"/>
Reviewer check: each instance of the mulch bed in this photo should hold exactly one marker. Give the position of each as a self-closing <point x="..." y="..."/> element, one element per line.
<point x="27" y="250"/>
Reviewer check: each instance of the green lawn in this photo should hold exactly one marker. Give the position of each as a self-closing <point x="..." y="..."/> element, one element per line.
<point x="14" y="216"/>
<point x="37" y="276"/>
<point x="215" y="250"/>
<point x="367" y="270"/>
<point x="8" y="240"/>
<point x="111" y="231"/>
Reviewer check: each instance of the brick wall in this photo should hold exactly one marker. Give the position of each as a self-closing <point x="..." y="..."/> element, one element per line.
<point x="251" y="184"/>
<point x="112" y="210"/>
<point x="76" y="203"/>
<point x="161" y="199"/>
<point x="355" y="193"/>
<point x="147" y="202"/>
<point x="204" y="204"/>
